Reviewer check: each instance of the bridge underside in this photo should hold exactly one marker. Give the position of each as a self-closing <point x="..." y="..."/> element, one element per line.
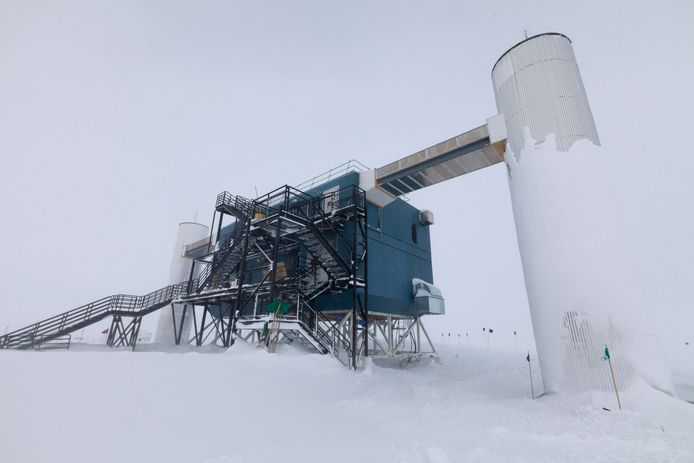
<point x="460" y="155"/>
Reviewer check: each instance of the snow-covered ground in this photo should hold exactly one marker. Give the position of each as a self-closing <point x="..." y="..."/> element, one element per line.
<point x="246" y="405"/>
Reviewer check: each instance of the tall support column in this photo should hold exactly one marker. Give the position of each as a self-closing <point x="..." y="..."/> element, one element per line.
<point x="241" y="275"/>
<point x="275" y="254"/>
<point x="112" y="331"/>
<point x="355" y="294"/>
<point x="214" y="216"/>
<point x="365" y="263"/>
<point x="178" y="328"/>
<point x="192" y="286"/>
<point x="581" y="294"/>
<point x="135" y="332"/>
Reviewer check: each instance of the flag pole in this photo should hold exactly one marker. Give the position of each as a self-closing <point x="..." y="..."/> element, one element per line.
<point x="614" y="381"/>
<point x="530" y="371"/>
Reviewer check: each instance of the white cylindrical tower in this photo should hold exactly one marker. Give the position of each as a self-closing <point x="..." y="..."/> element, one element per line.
<point x="537" y="85"/>
<point x="582" y="291"/>
<point x="188" y="232"/>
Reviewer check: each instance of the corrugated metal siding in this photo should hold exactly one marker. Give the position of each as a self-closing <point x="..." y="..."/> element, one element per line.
<point x="394" y="260"/>
<point x="538" y="85"/>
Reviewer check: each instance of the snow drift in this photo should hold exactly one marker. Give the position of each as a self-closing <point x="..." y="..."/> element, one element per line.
<point x="245" y="405"/>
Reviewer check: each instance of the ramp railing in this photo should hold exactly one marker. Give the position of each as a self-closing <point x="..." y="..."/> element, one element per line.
<point x="67" y="322"/>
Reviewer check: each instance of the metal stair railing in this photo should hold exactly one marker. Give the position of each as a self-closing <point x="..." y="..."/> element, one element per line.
<point x="322" y="221"/>
<point x="331" y="338"/>
<point x="88" y="314"/>
<point x="308" y="283"/>
<point x="350" y="166"/>
<point x="238" y="206"/>
<point x="220" y="257"/>
<point x="61" y="342"/>
<point x="305" y="209"/>
<point x="318" y="249"/>
<point x="300" y="208"/>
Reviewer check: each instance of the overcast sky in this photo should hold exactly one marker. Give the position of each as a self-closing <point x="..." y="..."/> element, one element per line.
<point x="120" y="119"/>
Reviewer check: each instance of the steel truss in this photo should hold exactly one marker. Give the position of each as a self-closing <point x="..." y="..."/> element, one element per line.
<point x="400" y="337"/>
<point x="122" y="334"/>
<point x="207" y="328"/>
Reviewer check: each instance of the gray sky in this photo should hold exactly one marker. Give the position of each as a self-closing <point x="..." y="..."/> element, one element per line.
<point x="120" y="119"/>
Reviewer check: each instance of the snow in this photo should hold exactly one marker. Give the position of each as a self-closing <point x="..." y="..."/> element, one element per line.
<point x="421" y="288"/>
<point x="580" y="275"/>
<point x="245" y="405"/>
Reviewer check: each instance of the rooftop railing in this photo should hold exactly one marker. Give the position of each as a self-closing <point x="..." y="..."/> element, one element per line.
<point x="350" y="166"/>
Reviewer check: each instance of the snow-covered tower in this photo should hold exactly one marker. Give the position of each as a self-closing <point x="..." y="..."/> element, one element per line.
<point x="537" y="85"/>
<point x="188" y="233"/>
<point x="582" y="292"/>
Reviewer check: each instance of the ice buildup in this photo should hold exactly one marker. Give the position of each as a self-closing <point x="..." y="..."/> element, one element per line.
<point x="582" y="287"/>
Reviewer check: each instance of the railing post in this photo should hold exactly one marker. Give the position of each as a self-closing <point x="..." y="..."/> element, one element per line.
<point x="241" y="275"/>
<point x="365" y="263"/>
<point x="190" y="276"/>
<point x="275" y="254"/>
<point x="355" y="294"/>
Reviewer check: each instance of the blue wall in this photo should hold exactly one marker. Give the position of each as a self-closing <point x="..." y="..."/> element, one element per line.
<point x="394" y="258"/>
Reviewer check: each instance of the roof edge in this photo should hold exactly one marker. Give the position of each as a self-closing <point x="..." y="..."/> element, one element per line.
<point x="525" y="40"/>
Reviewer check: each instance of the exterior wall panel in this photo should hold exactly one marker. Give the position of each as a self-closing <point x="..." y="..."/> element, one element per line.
<point x="538" y="85"/>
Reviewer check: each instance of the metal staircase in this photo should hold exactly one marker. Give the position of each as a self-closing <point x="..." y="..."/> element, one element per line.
<point x="237" y="206"/>
<point x="224" y="260"/>
<point x="319" y="251"/>
<point x="118" y="306"/>
<point x="326" y="333"/>
<point x="307" y="326"/>
<point x="266" y="230"/>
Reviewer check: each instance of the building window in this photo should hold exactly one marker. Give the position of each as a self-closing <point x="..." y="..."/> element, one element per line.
<point x="414" y="233"/>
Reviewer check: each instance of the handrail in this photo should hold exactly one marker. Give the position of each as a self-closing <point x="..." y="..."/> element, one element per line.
<point x="240" y="203"/>
<point x="331" y="339"/>
<point x="350" y="166"/>
<point x="66" y="322"/>
<point x="227" y="248"/>
<point x="345" y="197"/>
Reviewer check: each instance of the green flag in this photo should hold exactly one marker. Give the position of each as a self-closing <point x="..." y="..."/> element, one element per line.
<point x="606" y="354"/>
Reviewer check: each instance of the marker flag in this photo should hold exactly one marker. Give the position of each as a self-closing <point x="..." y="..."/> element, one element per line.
<point x="606" y="354"/>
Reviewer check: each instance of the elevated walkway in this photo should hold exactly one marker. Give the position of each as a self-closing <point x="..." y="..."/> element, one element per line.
<point x="460" y="155"/>
<point x="118" y="306"/>
<point x="266" y="230"/>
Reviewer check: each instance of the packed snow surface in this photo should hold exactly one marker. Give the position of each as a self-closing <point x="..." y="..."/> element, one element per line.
<point x="245" y="405"/>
